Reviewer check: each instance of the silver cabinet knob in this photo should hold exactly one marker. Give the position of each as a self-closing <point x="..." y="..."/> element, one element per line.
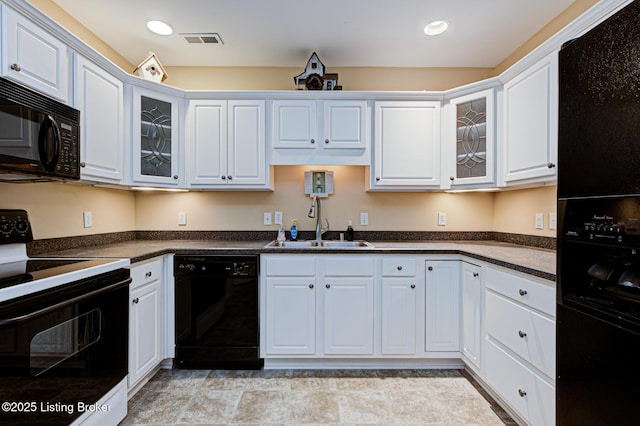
<point x="377" y="179"/>
<point x="328" y="285"/>
<point x="136" y="300"/>
<point x="476" y="275"/>
<point x="313" y="141"/>
<point x="229" y="178"/>
<point x="451" y="178"/>
<point x="148" y="274"/>
<point x="326" y="141"/>
<point x="83" y="164"/>
<point x="551" y="165"/>
<point x="413" y="286"/>
<point x="175" y="177"/>
<point x="522" y="393"/>
<point x="522" y="334"/>
<point x="522" y="292"/>
<point x="310" y="285"/>
<point x="430" y="268"/>
<point x="399" y="267"/>
<point x="224" y="178"/>
<point x="16" y="67"/>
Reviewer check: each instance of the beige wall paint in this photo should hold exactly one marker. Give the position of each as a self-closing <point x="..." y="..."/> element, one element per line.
<point x="55" y="209"/>
<point x="351" y="78"/>
<point x="514" y="211"/>
<point x="244" y="211"/>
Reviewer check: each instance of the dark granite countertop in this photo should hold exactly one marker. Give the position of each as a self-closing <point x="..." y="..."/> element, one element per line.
<point x="534" y="261"/>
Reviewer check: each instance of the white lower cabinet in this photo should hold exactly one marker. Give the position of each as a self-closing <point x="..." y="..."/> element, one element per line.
<point x="471" y="327"/>
<point x="146" y="306"/>
<point x="442" y="322"/>
<point x="291" y="315"/>
<point x="399" y="306"/>
<point x="519" y="347"/>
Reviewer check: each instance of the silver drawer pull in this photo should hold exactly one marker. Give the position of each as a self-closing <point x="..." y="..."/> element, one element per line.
<point x="310" y="285"/>
<point x="413" y="286"/>
<point x="148" y="274"/>
<point x="522" y="292"/>
<point x="16" y="67"/>
<point x="399" y="268"/>
<point x="136" y="300"/>
<point x="522" y="334"/>
<point x="328" y="285"/>
<point x="476" y="275"/>
<point x="522" y="393"/>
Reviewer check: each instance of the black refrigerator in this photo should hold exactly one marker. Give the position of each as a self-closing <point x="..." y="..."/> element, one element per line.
<point x="598" y="271"/>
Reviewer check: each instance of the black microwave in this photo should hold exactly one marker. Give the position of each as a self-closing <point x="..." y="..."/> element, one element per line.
<point x="39" y="136"/>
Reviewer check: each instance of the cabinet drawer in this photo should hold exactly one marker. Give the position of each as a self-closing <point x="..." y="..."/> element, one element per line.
<point x="528" y="292"/>
<point x="349" y="266"/>
<point x="398" y="267"/>
<point x="521" y="388"/>
<point x="291" y="266"/>
<point x="145" y="272"/>
<point x="525" y="332"/>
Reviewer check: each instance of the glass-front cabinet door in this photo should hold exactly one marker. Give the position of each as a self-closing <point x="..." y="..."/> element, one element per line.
<point x="470" y="146"/>
<point x="156" y="136"/>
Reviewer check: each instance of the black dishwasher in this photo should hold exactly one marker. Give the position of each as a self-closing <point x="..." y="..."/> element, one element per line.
<point x="216" y="312"/>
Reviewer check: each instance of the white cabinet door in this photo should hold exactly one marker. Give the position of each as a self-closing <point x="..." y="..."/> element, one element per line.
<point x="348" y="315"/>
<point x="156" y="151"/>
<point x="344" y="125"/>
<point x="468" y="151"/>
<point x="34" y="57"/>
<point x="99" y="97"/>
<point x="207" y="147"/>
<point x="295" y="124"/>
<point x="471" y="314"/>
<point x="442" y="306"/>
<point x="399" y="303"/>
<point x="407" y="145"/>
<point x="290" y="316"/>
<point x="530" y="123"/>
<point x="246" y="164"/>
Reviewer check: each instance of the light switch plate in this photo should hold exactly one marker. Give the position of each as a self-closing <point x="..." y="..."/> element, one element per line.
<point x="278" y="218"/>
<point x="553" y="221"/>
<point x="182" y="218"/>
<point x="87" y="218"/>
<point x="539" y="221"/>
<point x="364" y="219"/>
<point x="442" y="218"/>
<point x="267" y="218"/>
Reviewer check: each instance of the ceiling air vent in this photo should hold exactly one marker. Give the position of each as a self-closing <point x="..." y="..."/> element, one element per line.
<point x="200" y="38"/>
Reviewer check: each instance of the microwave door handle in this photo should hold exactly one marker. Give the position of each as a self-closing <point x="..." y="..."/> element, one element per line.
<point x="10" y="321"/>
<point x="44" y="144"/>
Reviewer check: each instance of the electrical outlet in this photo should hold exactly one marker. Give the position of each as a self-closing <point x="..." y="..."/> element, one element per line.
<point x="87" y="218"/>
<point x="267" y="218"/>
<point x="278" y="218"/>
<point x="182" y="218"/>
<point x="539" y="221"/>
<point x="553" y="221"/>
<point x="364" y="219"/>
<point x="442" y="218"/>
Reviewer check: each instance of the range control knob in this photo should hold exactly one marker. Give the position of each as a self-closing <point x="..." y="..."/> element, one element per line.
<point x="5" y="226"/>
<point x="22" y="226"/>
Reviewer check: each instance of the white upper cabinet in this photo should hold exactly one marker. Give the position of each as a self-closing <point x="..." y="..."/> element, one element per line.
<point x="468" y="141"/>
<point x="156" y="148"/>
<point x="226" y="144"/>
<point x="529" y="141"/>
<point x="407" y="145"/>
<point x="34" y="57"/>
<point x="99" y="97"/>
<point x="320" y="132"/>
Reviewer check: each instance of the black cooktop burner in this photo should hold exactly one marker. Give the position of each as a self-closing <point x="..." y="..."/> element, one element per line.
<point x="23" y="271"/>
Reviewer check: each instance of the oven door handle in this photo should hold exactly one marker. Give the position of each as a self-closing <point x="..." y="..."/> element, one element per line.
<point x="76" y="299"/>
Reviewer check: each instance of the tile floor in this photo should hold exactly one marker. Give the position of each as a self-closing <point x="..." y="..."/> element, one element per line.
<point x="424" y="397"/>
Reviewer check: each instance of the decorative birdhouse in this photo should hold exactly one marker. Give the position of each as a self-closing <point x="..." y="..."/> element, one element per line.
<point x="314" y="77"/>
<point x="151" y="69"/>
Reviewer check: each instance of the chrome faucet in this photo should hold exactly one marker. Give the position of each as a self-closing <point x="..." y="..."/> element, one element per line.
<point x="315" y="205"/>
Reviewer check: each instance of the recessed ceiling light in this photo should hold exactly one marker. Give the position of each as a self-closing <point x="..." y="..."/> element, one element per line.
<point x="159" y="27"/>
<point x="436" y="27"/>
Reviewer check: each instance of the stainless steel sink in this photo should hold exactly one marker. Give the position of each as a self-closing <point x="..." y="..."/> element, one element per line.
<point x="319" y="244"/>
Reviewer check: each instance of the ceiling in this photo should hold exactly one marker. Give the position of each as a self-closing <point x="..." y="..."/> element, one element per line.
<point x="344" y="33"/>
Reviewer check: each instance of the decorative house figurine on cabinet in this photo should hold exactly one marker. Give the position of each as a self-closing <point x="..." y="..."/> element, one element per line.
<point x="151" y="69"/>
<point x="314" y="77"/>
